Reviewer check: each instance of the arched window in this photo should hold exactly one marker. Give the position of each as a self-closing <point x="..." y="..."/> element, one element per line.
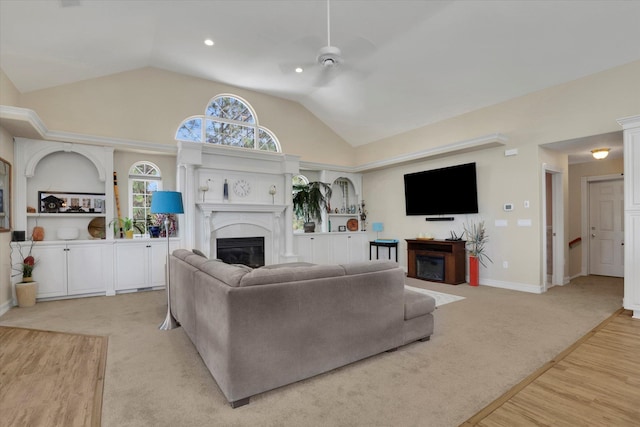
<point x="144" y="179"/>
<point x="228" y="120"/>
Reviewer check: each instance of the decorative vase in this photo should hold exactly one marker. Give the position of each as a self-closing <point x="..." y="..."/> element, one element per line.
<point x="26" y="293"/>
<point x="474" y="271"/>
<point x="309" y="227"/>
<point x="128" y="234"/>
<point x="37" y="234"/>
<point x="154" y="231"/>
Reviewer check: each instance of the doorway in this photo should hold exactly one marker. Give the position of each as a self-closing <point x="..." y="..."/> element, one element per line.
<point x="553" y="227"/>
<point x="605" y="226"/>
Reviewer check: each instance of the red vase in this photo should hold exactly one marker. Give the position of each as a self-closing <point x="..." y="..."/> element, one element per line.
<point x="474" y="271"/>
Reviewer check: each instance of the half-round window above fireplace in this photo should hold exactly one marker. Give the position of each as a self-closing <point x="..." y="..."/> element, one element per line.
<point x="231" y="121"/>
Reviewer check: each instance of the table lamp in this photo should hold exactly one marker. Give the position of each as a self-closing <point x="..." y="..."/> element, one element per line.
<point x="167" y="202"/>
<point x="377" y="227"/>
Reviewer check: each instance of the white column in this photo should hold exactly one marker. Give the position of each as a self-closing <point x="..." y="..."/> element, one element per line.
<point x="631" y="301"/>
<point x="288" y="217"/>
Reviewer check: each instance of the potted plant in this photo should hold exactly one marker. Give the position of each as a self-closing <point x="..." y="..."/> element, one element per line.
<point x="124" y="225"/>
<point x="477" y="238"/>
<point x="309" y="201"/>
<point x="26" y="290"/>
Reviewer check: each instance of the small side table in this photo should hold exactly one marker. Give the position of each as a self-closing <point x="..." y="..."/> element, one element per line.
<point x="388" y="245"/>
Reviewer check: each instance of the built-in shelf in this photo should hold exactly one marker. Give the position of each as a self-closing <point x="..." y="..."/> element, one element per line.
<point x="65" y="215"/>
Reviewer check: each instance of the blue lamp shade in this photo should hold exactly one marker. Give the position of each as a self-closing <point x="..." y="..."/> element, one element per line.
<point x="166" y="202"/>
<point x="377" y="226"/>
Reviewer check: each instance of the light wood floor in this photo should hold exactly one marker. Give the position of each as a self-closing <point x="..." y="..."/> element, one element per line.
<point x="51" y="378"/>
<point x="595" y="382"/>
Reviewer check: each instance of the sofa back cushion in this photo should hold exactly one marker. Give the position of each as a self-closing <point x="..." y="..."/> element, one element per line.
<point x="231" y="274"/>
<point x="284" y="274"/>
<point x="369" y="266"/>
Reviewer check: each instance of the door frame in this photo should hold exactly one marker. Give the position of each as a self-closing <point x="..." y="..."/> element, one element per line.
<point x="584" y="193"/>
<point x="557" y="193"/>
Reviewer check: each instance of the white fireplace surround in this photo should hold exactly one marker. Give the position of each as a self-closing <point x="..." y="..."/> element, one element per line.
<point x="224" y="220"/>
<point x="259" y="212"/>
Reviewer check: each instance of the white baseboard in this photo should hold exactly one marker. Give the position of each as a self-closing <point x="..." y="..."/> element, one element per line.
<point x="6" y="306"/>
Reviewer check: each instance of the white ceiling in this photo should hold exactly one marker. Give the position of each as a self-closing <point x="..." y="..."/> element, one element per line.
<point x="406" y="63"/>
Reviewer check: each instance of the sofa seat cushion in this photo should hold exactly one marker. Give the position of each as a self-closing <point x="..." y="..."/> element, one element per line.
<point x="268" y="276"/>
<point x="417" y="304"/>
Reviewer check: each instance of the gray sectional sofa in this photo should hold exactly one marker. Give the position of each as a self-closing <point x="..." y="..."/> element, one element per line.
<point x="259" y="329"/>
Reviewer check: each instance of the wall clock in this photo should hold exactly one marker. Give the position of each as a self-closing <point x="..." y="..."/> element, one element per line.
<point x="241" y="188"/>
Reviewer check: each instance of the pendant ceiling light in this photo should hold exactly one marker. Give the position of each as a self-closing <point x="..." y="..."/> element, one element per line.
<point x="600" y="153"/>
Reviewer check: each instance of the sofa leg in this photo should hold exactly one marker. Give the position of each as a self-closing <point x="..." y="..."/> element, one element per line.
<point x="425" y="339"/>
<point x="238" y="403"/>
<point x="392" y="350"/>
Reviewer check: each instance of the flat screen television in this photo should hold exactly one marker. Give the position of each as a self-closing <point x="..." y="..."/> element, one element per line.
<point x="445" y="191"/>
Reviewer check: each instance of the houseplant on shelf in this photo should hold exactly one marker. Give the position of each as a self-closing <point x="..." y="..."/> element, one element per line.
<point x="477" y="238"/>
<point x="309" y="201"/>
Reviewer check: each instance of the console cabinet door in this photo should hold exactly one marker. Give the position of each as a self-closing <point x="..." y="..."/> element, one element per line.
<point x="87" y="269"/>
<point x="358" y="244"/>
<point x="346" y="248"/>
<point x="313" y="248"/>
<point x="50" y="271"/>
<point x="132" y="265"/>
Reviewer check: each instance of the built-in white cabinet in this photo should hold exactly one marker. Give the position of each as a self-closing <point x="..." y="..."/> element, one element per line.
<point x="312" y="247"/>
<point x="331" y="248"/>
<point x="347" y="248"/>
<point x="141" y="263"/>
<point x="69" y="268"/>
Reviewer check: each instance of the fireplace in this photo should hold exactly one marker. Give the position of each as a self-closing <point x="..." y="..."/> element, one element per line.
<point x="430" y="267"/>
<point x="241" y="250"/>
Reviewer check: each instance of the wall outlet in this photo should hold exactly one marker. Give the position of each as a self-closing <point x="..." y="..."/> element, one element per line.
<point x="505" y="264"/>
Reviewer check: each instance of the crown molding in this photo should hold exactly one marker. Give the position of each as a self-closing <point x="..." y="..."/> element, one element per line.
<point x="25" y="123"/>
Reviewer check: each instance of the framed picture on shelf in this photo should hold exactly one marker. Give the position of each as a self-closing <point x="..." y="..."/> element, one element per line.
<point x="67" y="202"/>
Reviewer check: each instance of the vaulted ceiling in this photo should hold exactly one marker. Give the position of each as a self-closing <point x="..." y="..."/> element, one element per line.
<point x="405" y="64"/>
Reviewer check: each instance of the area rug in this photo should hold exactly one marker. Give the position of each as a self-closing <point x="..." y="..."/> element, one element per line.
<point x="51" y="378"/>
<point x="440" y="297"/>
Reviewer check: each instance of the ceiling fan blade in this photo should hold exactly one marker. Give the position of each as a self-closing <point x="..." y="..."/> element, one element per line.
<point x="357" y="48"/>
<point x="325" y="76"/>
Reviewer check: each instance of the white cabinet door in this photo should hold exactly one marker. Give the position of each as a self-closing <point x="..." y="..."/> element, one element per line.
<point x="339" y="253"/>
<point x="313" y="247"/>
<point x="358" y="244"/>
<point x="346" y="248"/>
<point x="158" y="261"/>
<point x="132" y="265"/>
<point x="87" y="269"/>
<point x="50" y="271"/>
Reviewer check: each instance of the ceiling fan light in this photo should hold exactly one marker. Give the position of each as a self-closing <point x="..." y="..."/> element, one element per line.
<point x="600" y="153"/>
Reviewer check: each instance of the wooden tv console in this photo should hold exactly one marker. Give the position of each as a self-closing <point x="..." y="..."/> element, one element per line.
<point x="452" y="251"/>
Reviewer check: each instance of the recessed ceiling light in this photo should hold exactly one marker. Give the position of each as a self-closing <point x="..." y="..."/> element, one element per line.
<point x="299" y="70"/>
<point x="209" y="42"/>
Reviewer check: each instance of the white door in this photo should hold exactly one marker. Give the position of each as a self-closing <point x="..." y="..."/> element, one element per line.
<point x="606" y="228"/>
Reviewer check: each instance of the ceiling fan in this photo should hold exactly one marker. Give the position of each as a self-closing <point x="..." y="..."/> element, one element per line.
<point x="329" y="58"/>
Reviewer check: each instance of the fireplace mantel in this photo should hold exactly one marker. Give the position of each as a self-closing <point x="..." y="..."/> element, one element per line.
<point x="208" y="208"/>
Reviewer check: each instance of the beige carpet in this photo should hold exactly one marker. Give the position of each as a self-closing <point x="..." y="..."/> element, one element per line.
<point x="482" y="346"/>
